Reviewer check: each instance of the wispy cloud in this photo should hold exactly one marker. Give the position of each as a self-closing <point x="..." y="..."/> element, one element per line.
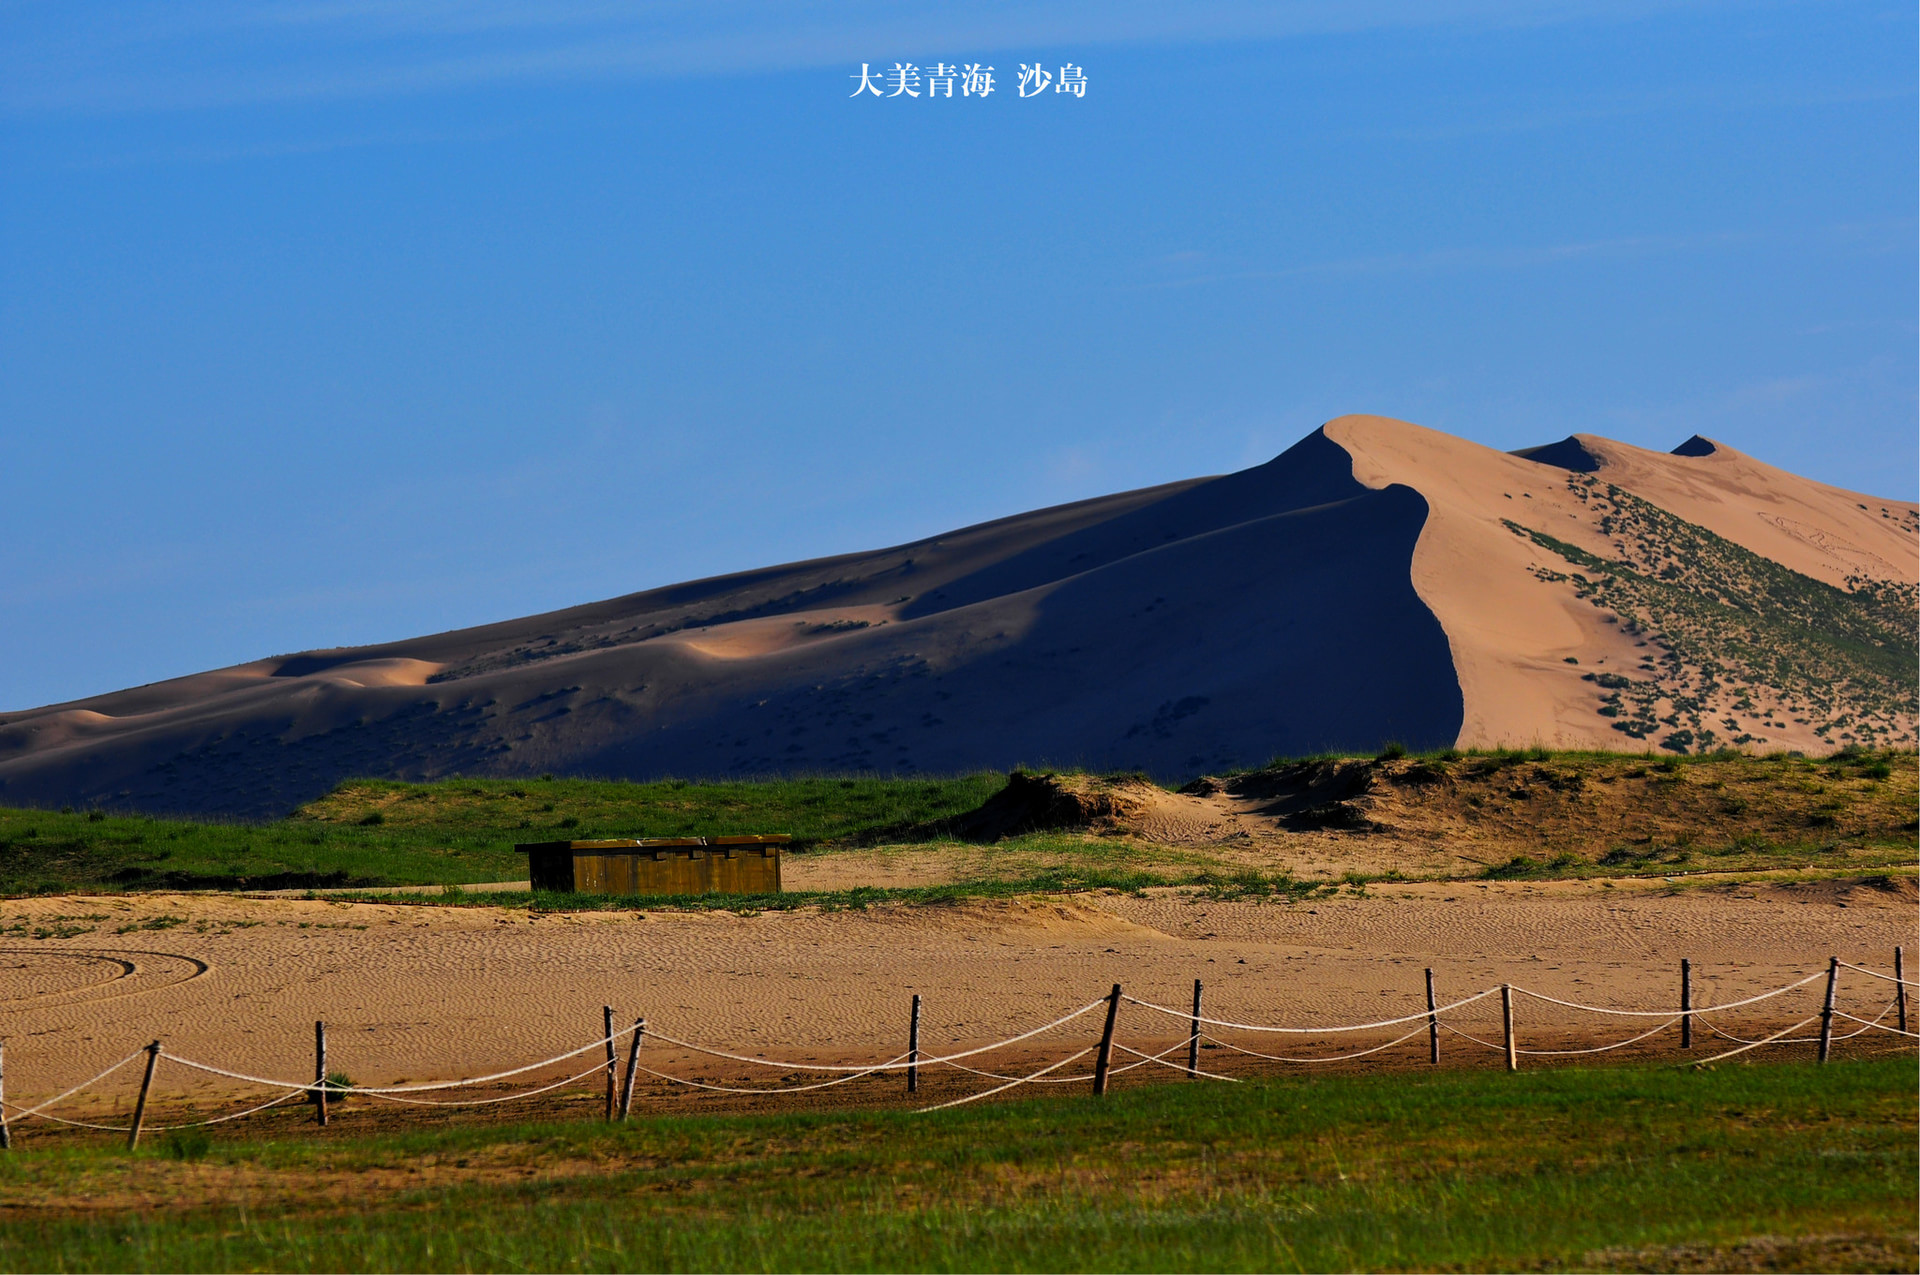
<point x="129" y="55"/>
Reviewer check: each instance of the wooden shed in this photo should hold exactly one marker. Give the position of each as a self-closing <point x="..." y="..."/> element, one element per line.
<point x="657" y="865"/>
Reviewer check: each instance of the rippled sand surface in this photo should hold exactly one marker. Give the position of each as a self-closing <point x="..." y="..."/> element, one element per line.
<point x="431" y="992"/>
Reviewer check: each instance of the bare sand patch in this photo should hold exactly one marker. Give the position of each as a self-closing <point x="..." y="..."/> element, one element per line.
<point x="753" y="638"/>
<point x="413" y="993"/>
<point x="397" y="671"/>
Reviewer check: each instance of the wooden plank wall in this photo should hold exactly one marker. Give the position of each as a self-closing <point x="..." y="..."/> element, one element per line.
<point x="658" y="866"/>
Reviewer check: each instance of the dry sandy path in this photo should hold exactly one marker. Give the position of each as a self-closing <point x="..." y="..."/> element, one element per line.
<point x="428" y="992"/>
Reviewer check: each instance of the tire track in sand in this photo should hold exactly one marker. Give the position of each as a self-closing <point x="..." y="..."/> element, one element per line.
<point x="165" y="970"/>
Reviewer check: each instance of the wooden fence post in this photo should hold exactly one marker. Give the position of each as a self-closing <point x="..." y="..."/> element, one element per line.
<point x="6" y="1133"/>
<point x="1826" y="1008"/>
<point x="1686" y="1003"/>
<point x="633" y="1062"/>
<point x="1506" y="1024"/>
<point x="1899" y="1000"/>
<point x="1433" y="1024"/>
<point x="1193" y="1037"/>
<point x="320" y="1073"/>
<point x="140" y="1107"/>
<point x="1105" y="1060"/>
<point x="612" y="1058"/>
<point x="913" y="1047"/>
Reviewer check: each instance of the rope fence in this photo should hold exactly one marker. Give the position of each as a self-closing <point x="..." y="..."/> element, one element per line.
<point x="1201" y="1031"/>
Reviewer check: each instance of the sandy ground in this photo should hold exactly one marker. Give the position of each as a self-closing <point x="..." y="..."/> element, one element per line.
<point x="424" y="992"/>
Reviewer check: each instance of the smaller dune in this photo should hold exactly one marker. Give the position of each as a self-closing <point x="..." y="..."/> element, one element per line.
<point x="1486" y="808"/>
<point x="1130" y="805"/>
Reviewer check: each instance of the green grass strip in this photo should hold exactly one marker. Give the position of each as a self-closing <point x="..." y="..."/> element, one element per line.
<point x="1632" y="1167"/>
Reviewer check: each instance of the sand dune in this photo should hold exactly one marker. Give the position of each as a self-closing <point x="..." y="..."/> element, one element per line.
<point x="1524" y="653"/>
<point x="1825" y="532"/>
<point x="1376" y="582"/>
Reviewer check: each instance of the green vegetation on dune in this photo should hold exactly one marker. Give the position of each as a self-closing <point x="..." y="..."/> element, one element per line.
<point x="1717" y="812"/>
<point x="820" y="808"/>
<point x="1531" y="813"/>
<point x="1722" y="625"/>
<point x="1637" y="1168"/>
<point x="47" y="852"/>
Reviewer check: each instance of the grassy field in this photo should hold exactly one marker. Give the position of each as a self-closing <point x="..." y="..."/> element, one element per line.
<point x="373" y="832"/>
<point x="1533" y="810"/>
<point x="1777" y="1167"/>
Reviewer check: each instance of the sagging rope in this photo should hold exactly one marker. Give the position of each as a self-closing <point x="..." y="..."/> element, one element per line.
<point x="1050" y="1080"/>
<point x="1765" y="1040"/>
<point x="889" y="1066"/>
<point x="232" y="1115"/>
<point x="1358" y="1053"/>
<point x="900" y="1060"/>
<point x="32" y="1112"/>
<point x="1871" y="1023"/>
<point x="824" y="1084"/>
<point x="1600" y="1049"/>
<point x="1422" y="1016"/>
<point x="1486" y="1044"/>
<point x="1663" y="1013"/>
<point x="308" y="1086"/>
<point x="1797" y="1040"/>
<point x="1086" y="1076"/>
<point x="336" y="1094"/>
<point x="1018" y="1080"/>
<point x="1161" y="1058"/>
<point x="1877" y="1020"/>
<point x="1861" y="969"/>
<point x="1040" y="1078"/>
<point x="170" y="1128"/>
<point x="294" y="1092"/>
<point x="1808" y="1040"/>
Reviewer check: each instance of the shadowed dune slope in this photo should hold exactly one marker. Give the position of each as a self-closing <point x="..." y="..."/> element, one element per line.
<point x="1376" y="582"/>
<point x="1184" y="628"/>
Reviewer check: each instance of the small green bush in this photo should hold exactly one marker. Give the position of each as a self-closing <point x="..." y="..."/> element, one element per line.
<point x="188" y="1144"/>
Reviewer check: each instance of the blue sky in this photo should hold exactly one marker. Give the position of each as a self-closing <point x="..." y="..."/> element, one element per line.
<point x="336" y="322"/>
